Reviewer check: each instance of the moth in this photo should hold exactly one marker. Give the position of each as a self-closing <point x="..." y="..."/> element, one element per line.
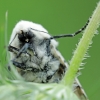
<point x="33" y="51"/>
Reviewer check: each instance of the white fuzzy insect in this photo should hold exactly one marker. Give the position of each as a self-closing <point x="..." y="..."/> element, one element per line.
<point x="33" y="52"/>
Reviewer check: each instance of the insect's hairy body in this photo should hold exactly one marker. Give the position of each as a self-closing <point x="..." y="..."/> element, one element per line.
<point x="33" y="52"/>
<point x="44" y="62"/>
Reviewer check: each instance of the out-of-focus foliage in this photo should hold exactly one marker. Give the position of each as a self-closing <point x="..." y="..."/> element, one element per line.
<point x="58" y="17"/>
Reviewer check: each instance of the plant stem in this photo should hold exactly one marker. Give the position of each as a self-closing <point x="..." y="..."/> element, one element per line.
<point x="82" y="47"/>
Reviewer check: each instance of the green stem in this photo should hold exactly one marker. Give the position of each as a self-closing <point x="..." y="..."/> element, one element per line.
<point x="82" y="47"/>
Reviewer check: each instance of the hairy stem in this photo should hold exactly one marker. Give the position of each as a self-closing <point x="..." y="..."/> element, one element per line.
<point x="82" y="47"/>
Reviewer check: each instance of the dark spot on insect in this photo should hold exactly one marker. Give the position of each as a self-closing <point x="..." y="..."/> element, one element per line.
<point x="35" y="70"/>
<point x="61" y="69"/>
<point x="43" y="81"/>
<point x="49" y="77"/>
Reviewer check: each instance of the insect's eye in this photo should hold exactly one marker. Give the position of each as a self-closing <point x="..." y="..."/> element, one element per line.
<point x="29" y="35"/>
<point x="21" y="37"/>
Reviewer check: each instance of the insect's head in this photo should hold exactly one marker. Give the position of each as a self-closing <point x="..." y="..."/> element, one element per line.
<point x="25" y="36"/>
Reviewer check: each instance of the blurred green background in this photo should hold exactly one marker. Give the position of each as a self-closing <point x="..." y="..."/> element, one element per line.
<point x="58" y="17"/>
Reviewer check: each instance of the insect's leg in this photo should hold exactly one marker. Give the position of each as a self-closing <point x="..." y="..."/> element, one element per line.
<point x="17" y="51"/>
<point x="19" y="65"/>
<point x="32" y="49"/>
<point x="23" y="49"/>
<point x="23" y="66"/>
<point x="48" y="46"/>
<point x="13" y="49"/>
<point x="74" y="34"/>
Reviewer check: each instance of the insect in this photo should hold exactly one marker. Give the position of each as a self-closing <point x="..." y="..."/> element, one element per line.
<point x="34" y="54"/>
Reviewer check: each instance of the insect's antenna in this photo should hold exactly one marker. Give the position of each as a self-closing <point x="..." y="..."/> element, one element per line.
<point x="13" y="39"/>
<point x="38" y="30"/>
<point x="74" y="34"/>
<point x="66" y="35"/>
